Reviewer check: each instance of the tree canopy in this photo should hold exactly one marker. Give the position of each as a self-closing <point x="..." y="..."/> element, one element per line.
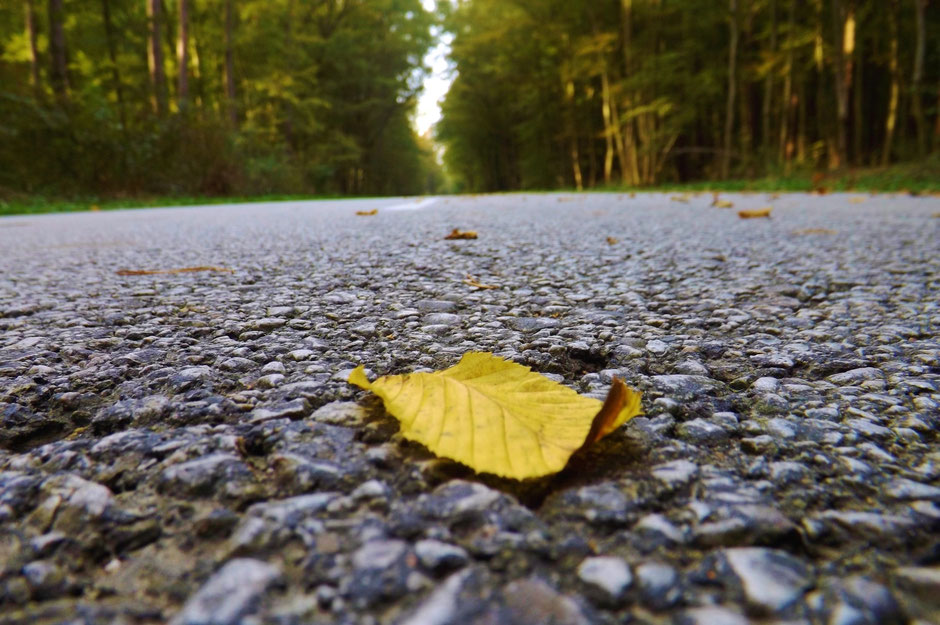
<point x="132" y="97"/>
<point x="579" y="93"/>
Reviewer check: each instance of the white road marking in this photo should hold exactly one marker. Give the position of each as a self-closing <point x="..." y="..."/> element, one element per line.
<point x="413" y="206"/>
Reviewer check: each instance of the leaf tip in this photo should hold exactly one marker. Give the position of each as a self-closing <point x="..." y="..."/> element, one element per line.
<point x="357" y="377"/>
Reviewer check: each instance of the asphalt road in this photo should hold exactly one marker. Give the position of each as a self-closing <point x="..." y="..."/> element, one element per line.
<point x="183" y="445"/>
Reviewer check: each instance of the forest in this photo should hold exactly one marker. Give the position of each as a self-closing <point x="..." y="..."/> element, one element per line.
<point x="161" y="98"/>
<point x="111" y="98"/>
<point x="587" y="93"/>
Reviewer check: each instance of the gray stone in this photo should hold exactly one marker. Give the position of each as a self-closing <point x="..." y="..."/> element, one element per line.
<point x="856" y="376"/>
<point x="700" y="431"/>
<point x="711" y="615"/>
<point x="905" y="490"/>
<point x="772" y="580"/>
<point x="229" y="595"/>
<point x="437" y="556"/>
<point x="607" y="576"/>
<point x="533" y="601"/>
<point x="658" y="584"/>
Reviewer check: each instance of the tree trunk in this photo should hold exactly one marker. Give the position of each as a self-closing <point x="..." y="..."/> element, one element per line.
<point x="789" y="103"/>
<point x="155" y="57"/>
<point x="767" y="107"/>
<point x="59" y="75"/>
<point x="632" y="175"/>
<point x="230" y="103"/>
<point x="732" y="86"/>
<point x="182" y="55"/>
<point x="32" y="34"/>
<point x="112" y="55"/>
<point x="892" y="115"/>
<point x="845" y="54"/>
<point x="917" y="78"/>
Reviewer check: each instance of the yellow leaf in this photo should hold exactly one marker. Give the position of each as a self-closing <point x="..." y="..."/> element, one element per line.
<point x="752" y="214"/>
<point x="857" y="200"/>
<point x="461" y="234"/>
<point x="496" y="416"/>
<point x="374" y="211"/>
<point x="722" y="203"/>
<point x="684" y="198"/>
<point x="612" y="241"/>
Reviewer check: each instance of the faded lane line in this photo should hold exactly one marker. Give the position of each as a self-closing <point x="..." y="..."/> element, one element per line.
<point x="412" y="206"/>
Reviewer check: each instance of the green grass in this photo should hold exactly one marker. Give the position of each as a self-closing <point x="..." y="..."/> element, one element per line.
<point x="921" y="177"/>
<point x="38" y="205"/>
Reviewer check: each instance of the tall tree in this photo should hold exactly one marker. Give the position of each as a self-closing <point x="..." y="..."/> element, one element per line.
<point x="155" y="57"/>
<point x="182" y="55"/>
<point x="230" y="102"/>
<point x="917" y="77"/>
<point x="32" y="35"/>
<point x="110" y="38"/>
<point x="844" y="13"/>
<point x="732" y="87"/>
<point x="59" y="75"/>
<point x="894" y="68"/>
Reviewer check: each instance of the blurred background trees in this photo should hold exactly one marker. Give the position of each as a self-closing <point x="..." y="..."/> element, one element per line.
<point x="211" y="97"/>
<point x="579" y="93"/>
<point x="246" y="97"/>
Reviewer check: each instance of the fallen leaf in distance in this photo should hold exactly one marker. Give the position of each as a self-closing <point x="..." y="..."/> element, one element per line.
<point x="814" y="231"/>
<point x="612" y="241"/>
<point x="153" y="272"/>
<point x="94" y="208"/>
<point x="723" y="203"/>
<point x="752" y="214"/>
<point x="374" y="211"/>
<point x="857" y="200"/>
<point x="470" y="280"/>
<point x="461" y="234"/>
<point x="684" y="198"/>
<point x="497" y="416"/>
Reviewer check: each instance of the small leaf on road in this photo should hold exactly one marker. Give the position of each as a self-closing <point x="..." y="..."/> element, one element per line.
<point x="754" y="214"/>
<point x="499" y="417"/>
<point x="612" y="241"/>
<point x="461" y="234"/>
<point x="806" y="231"/>
<point x="470" y="280"/>
<point x="153" y="272"/>
<point x="374" y="211"/>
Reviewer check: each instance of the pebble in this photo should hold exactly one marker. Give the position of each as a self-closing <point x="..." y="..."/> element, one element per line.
<point x="607" y="576"/>
<point x="772" y="580"/>
<point x="229" y="595"/>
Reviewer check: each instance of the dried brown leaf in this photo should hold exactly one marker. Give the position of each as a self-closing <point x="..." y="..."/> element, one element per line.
<point x="374" y="211"/>
<point x="753" y="214"/>
<point x="814" y="231"/>
<point x="612" y="241"/>
<point x="461" y="234"/>
<point x="471" y="281"/>
<point x="153" y="272"/>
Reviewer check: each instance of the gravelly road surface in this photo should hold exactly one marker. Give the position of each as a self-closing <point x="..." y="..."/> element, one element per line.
<point x="183" y="447"/>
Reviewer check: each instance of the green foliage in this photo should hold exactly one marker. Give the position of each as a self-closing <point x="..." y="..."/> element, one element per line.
<point x="583" y="93"/>
<point x="323" y="93"/>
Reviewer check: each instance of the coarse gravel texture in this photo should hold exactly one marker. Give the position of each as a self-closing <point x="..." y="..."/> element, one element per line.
<point x="184" y="448"/>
